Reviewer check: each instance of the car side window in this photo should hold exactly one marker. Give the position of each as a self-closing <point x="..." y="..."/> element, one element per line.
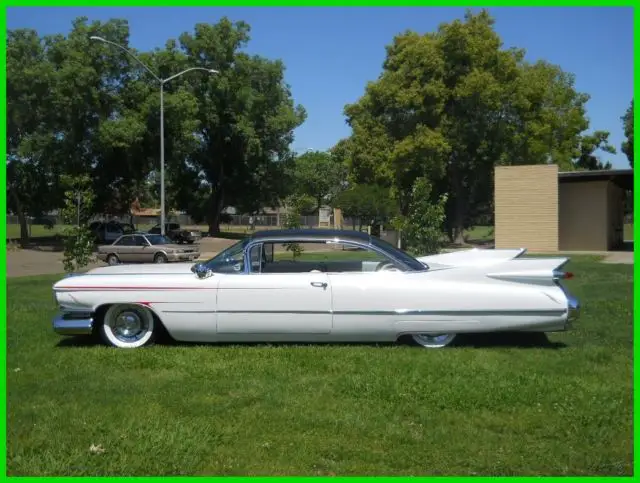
<point x="328" y="257"/>
<point x="140" y="241"/>
<point x="125" y="241"/>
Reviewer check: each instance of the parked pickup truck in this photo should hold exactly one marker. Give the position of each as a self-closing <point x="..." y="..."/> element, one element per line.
<point x="176" y="234"/>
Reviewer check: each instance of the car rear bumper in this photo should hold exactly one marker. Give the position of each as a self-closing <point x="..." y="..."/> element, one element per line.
<point x="573" y="306"/>
<point x="69" y="323"/>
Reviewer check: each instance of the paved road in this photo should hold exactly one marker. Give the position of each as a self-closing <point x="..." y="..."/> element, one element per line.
<point x="619" y="257"/>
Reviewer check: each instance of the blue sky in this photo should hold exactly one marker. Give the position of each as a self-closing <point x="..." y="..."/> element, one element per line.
<point x="331" y="53"/>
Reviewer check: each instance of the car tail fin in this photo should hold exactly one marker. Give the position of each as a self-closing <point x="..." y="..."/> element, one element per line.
<point x="539" y="271"/>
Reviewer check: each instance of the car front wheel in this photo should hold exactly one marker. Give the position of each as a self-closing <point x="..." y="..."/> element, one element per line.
<point x="128" y="326"/>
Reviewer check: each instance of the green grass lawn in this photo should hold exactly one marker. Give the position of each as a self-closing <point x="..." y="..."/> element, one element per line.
<point x="490" y="406"/>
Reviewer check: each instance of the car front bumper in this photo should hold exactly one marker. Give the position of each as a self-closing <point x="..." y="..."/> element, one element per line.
<point x="182" y="257"/>
<point x="70" y="323"/>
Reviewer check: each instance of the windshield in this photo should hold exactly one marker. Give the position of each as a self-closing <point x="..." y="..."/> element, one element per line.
<point x="158" y="240"/>
<point x="404" y="257"/>
<point x="230" y="260"/>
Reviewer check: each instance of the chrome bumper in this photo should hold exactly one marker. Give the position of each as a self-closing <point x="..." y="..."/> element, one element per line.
<point x="573" y="306"/>
<point x="66" y="323"/>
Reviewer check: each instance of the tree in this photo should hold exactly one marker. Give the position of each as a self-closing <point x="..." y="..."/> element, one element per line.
<point x="80" y="107"/>
<point x="449" y="106"/>
<point x="368" y="202"/>
<point x="66" y="115"/>
<point x="29" y="169"/>
<point x="318" y="175"/>
<point x="78" y="208"/>
<point x="422" y="226"/>
<point x="246" y="117"/>
<point x="627" y="146"/>
<point x="589" y="144"/>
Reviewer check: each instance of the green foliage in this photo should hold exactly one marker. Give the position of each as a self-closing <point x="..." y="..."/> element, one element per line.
<point x="591" y="143"/>
<point x="422" y="226"/>
<point x="246" y="116"/>
<point x="320" y="176"/>
<point x="296" y="205"/>
<point x="368" y="202"/>
<point x="627" y="146"/>
<point x="83" y="107"/>
<point x="78" y="208"/>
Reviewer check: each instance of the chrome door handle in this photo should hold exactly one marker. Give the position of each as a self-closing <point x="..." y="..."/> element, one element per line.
<point x="319" y="284"/>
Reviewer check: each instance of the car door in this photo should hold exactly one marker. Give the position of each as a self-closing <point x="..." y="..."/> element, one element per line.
<point x="125" y="250"/>
<point x="367" y="289"/>
<point x="284" y="304"/>
<point x="140" y="250"/>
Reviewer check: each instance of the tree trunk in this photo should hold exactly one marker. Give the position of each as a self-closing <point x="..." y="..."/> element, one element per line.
<point x="22" y="219"/>
<point x="216" y="202"/>
<point x="456" y="224"/>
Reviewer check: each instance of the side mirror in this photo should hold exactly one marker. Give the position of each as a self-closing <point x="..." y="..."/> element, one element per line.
<point x="201" y="270"/>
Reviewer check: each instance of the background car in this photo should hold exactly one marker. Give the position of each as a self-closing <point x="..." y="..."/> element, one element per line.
<point x="177" y="234"/>
<point x="145" y="248"/>
<point x="110" y="231"/>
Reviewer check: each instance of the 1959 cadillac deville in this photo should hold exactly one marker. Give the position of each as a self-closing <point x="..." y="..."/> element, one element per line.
<point x="318" y="286"/>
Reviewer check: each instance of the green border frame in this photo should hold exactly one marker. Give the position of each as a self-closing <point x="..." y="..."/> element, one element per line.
<point x="283" y="3"/>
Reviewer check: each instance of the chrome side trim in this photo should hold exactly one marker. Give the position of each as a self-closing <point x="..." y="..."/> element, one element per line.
<point x="541" y="313"/>
<point x="66" y="323"/>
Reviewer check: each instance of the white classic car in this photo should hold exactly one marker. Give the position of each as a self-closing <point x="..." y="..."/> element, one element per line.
<point x="318" y="286"/>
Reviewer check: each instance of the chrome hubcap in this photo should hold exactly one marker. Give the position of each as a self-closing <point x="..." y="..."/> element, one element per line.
<point x="434" y="339"/>
<point x="129" y="326"/>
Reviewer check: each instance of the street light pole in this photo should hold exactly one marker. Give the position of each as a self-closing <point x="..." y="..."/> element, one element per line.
<point x="162" y="82"/>
<point x="162" y="215"/>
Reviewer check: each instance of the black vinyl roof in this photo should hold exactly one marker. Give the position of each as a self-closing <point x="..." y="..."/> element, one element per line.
<point x="313" y="234"/>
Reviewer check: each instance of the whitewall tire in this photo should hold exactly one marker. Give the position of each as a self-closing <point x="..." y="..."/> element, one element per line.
<point x="128" y="326"/>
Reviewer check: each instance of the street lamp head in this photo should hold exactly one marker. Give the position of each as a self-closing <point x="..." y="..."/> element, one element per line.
<point x="213" y="71"/>
<point x="95" y="37"/>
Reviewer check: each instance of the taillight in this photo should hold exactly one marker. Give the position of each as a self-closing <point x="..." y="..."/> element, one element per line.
<point x="557" y="274"/>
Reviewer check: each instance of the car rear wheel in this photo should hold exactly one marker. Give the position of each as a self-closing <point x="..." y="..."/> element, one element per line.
<point x="113" y="259"/>
<point x="128" y="326"/>
<point x="433" y="341"/>
<point x="160" y="258"/>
